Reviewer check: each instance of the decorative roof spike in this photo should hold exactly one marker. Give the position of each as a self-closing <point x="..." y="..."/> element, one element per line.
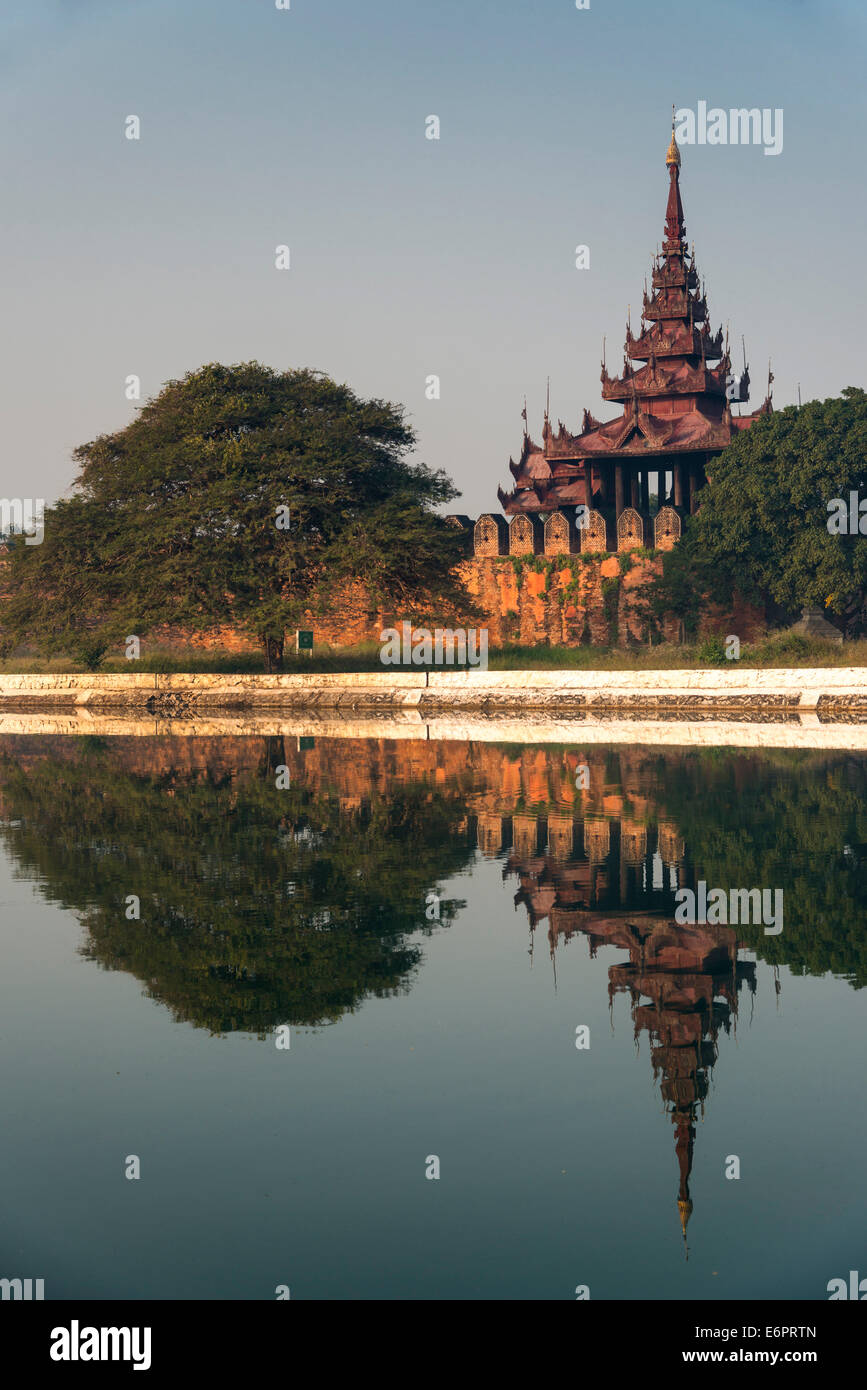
<point x="672" y="156"/>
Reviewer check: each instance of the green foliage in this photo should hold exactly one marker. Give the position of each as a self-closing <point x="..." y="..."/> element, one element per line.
<point x="711" y="651"/>
<point x="261" y="906"/>
<point x="610" y="605"/>
<point x="794" y="821"/>
<point x="174" y="518"/>
<point x="258" y="906"/>
<point x="762" y="527"/>
<point x="682" y="587"/>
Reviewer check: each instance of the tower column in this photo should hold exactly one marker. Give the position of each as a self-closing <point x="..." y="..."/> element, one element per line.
<point x="678" y="485"/>
<point x="618" y="489"/>
<point x="645" y="492"/>
<point x="693" y="488"/>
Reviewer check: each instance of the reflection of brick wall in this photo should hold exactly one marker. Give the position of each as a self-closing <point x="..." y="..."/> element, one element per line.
<point x="490" y="833"/>
<point x="597" y="839"/>
<point x="670" y="843"/>
<point x="525" y="836"/>
<point x="560" y="830"/>
<point x="633" y="841"/>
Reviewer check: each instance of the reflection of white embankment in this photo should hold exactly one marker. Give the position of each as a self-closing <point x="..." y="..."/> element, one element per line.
<point x="742" y="708"/>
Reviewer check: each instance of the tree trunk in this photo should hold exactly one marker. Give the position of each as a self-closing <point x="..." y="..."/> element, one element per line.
<point x="273" y="649"/>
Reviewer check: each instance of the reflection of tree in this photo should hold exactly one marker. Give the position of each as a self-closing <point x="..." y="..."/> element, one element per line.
<point x="258" y="906"/>
<point x="792" y="821"/>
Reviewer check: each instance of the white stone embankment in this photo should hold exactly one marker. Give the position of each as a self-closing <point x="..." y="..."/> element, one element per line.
<point x="705" y="692"/>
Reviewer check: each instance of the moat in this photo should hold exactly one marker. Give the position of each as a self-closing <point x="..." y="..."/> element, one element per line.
<point x="286" y="973"/>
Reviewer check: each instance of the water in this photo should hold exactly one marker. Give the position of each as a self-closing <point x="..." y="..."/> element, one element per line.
<point x="413" y="1037"/>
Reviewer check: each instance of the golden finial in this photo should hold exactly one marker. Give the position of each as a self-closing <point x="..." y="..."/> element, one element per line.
<point x="673" y="155"/>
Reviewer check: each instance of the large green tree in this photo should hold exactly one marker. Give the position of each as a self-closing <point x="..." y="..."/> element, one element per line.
<point x="762" y="527"/>
<point x="239" y="495"/>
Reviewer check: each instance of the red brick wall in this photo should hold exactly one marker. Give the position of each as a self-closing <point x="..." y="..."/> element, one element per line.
<point x="565" y="600"/>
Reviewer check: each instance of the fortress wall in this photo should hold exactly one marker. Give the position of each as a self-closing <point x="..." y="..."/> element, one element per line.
<point x="532" y="600"/>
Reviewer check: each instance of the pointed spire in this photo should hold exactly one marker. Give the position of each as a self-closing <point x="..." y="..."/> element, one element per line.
<point x="674" y="224"/>
<point x="684" y="1208"/>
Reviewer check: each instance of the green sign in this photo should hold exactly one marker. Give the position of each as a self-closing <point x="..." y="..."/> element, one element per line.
<point x="305" y="741"/>
<point x="303" y="641"/>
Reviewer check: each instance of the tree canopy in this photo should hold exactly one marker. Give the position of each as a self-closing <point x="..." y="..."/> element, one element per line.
<point x="762" y="526"/>
<point x="239" y="495"/>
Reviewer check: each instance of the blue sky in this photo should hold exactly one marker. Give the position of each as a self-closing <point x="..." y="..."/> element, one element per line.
<point x="409" y="257"/>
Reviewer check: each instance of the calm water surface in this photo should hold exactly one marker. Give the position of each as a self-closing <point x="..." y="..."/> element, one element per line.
<point x="313" y="905"/>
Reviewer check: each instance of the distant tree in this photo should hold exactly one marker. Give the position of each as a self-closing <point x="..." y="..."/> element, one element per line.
<point x="762" y="527"/>
<point x="239" y="495"/>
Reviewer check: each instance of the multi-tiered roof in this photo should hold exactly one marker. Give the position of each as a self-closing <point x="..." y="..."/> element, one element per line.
<point x="675" y="389"/>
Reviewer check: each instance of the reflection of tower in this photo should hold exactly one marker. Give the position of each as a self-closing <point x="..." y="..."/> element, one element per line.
<point x="691" y="975"/>
<point x="616" y="887"/>
<point x="684" y="1147"/>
